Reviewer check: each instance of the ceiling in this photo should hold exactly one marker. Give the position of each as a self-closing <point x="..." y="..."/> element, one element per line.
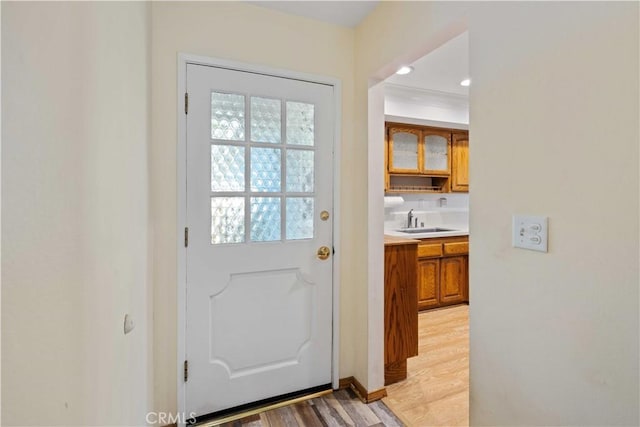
<point x="344" y="13"/>
<point x="441" y="70"/>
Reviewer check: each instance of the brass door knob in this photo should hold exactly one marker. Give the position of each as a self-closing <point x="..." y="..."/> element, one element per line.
<point x="323" y="252"/>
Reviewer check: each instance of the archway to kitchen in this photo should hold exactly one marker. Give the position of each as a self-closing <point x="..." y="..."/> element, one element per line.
<point x="428" y="101"/>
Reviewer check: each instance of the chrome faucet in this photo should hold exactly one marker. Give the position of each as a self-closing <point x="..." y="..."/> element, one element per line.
<point x="409" y="218"/>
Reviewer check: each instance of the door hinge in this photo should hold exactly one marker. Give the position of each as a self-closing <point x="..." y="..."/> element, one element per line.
<point x="186" y="237"/>
<point x="186" y="371"/>
<point x="186" y="103"/>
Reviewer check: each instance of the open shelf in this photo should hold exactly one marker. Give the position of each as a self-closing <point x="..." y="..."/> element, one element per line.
<point x="417" y="184"/>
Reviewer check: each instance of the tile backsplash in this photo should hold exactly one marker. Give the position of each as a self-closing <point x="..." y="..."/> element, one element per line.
<point x="453" y="213"/>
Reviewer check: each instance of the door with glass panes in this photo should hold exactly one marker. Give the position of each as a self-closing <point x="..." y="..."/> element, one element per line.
<point x="260" y="219"/>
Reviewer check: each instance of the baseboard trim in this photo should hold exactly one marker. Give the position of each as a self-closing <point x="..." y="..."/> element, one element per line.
<point x="360" y="391"/>
<point x="345" y="383"/>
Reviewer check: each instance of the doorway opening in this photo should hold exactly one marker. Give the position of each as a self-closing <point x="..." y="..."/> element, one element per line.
<point x="425" y="144"/>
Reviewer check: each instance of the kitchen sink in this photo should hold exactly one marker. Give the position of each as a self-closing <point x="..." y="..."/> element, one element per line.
<point x="425" y="230"/>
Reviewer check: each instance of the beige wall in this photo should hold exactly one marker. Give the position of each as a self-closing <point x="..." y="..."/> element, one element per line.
<point x="246" y="33"/>
<point x="554" y="124"/>
<point x="75" y="217"/>
<point x="552" y="343"/>
<point x="555" y="131"/>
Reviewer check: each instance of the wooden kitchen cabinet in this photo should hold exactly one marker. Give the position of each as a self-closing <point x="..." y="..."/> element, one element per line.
<point x="443" y="272"/>
<point x="460" y="162"/>
<point x="424" y="159"/>
<point x="453" y="279"/>
<point x="405" y="150"/>
<point x="436" y="151"/>
<point x="428" y="283"/>
<point x="400" y="307"/>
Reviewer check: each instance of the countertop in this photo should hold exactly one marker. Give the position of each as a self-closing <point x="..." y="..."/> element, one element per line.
<point x="394" y="241"/>
<point x="400" y="234"/>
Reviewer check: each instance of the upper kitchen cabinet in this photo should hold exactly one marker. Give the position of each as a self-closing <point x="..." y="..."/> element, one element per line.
<point x="423" y="151"/>
<point x="422" y="159"/>
<point x="404" y="150"/>
<point x="436" y="151"/>
<point x="460" y="162"/>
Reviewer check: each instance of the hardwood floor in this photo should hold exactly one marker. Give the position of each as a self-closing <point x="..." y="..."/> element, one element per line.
<point x="340" y="408"/>
<point x="436" y="391"/>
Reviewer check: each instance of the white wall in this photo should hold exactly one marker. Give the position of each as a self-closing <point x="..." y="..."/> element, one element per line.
<point x="412" y="103"/>
<point x="555" y="122"/>
<point x="247" y="33"/>
<point x="75" y="217"/>
<point x="554" y="337"/>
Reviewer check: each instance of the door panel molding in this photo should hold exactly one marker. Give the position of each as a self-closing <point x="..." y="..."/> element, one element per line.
<point x="181" y="155"/>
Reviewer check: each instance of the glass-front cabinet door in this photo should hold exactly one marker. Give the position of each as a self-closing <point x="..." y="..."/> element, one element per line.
<point x="436" y="152"/>
<point x="404" y="150"/>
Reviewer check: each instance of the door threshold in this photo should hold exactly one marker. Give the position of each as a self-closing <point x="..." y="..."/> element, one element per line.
<point x="233" y="414"/>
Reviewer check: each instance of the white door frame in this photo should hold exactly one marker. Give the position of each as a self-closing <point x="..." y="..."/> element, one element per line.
<point x="181" y="155"/>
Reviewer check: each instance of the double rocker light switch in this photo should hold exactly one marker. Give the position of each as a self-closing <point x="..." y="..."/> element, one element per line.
<point x="530" y="232"/>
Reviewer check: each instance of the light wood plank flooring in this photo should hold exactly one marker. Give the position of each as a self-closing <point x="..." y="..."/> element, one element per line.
<point x="436" y="391"/>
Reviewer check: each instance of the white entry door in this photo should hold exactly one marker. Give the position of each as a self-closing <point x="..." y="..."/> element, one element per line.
<point x="259" y="210"/>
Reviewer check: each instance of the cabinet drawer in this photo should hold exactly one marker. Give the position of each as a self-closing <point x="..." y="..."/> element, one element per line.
<point x="431" y="250"/>
<point x="456" y="248"/>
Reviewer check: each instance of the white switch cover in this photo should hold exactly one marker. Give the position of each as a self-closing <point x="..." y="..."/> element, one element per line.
<point x="530" y="232"/>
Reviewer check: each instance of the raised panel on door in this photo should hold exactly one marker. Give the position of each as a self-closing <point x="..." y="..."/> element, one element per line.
<point x="453" y="277"/>
<point x="460" y="162"/>
<point x="428" y="283"/>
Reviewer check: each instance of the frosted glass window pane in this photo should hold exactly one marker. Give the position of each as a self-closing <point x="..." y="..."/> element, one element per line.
<point x="227" y="220"/>
<point x="227" y="168"/>
<point x="266" y="121"/>
<point x="265" y="169"/>
<point x="300" y="123"/>
<point x="227" y="116"/>
<point x="436" y="155"/>
<point x="405" y="150"/>
<point x="265" y="219"/>
<point x="300" y="171"/>
<point x="299" y="218"/>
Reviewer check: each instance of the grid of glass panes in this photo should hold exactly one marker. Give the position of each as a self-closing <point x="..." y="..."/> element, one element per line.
<point x="262" y="169"/>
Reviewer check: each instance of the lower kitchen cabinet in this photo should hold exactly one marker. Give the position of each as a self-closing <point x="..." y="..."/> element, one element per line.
<point x="453" y="279"/>
<point x="400" y="303"/>
<point x="428" y="283"/>
<point x="443" y="272"/>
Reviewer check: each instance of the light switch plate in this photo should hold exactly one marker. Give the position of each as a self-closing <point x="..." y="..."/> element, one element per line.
<point x="530" y="232"/>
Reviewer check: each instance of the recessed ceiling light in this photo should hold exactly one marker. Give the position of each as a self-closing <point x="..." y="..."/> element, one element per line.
<point x="465" y="82"/>
<point x="405" y="69"/>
